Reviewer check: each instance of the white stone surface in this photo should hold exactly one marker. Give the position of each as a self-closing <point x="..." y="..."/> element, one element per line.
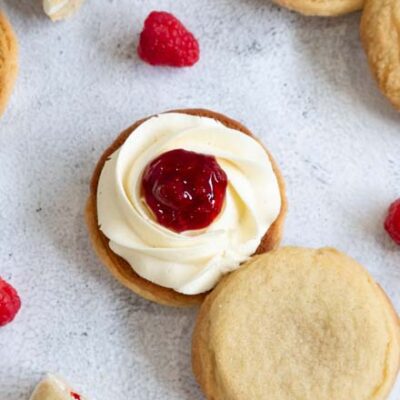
<point x="301" y="84"/>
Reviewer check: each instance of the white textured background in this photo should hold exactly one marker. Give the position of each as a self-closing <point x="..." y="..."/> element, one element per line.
<point x="301" y="84"/>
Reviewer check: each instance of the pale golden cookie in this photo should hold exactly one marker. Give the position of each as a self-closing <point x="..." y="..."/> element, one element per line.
<point x="8" y="61"/>
<point x="297" y="324"/>
<point x="323" y="8"/>
<point x="54" y="388"/>
<point x="380" y="34"/>
<point x="122" y="270"/>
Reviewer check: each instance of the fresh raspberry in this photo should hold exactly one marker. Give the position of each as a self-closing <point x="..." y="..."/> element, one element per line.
<point x="392" y="222"/>
<point x="165" y="41"/>
<point x="10" y="303"/>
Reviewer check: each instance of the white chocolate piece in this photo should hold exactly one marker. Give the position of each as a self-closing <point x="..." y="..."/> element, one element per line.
<point x="54" y="388"/>
<point x="61" y="9"/>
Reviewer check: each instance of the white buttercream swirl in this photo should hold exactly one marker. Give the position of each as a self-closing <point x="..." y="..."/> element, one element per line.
<point x="190" y="262"/>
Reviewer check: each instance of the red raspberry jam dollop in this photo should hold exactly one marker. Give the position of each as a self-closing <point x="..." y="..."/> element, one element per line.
<point x="185" y="190"/>
<point x="75" y="396"/>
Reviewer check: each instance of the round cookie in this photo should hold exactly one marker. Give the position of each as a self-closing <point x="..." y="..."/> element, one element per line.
<point x="8" y="61"/>
<point x="380" y="25"/>
<point x="323" y="8"/>
<point x="121" y="269"/>
<point x="297" y="324"/>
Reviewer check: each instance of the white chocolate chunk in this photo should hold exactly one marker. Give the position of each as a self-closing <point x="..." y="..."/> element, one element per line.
<point x="54" y="388"/>
<point x="61" y="9"/>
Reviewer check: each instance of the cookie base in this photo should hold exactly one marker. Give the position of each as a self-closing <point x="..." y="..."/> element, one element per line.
<point x="379" y="20"/>
<point x="121" y="269"/>
<point x="234" y="311"/>
<point x="8" y="61"/>
<point x="322" y="8"/>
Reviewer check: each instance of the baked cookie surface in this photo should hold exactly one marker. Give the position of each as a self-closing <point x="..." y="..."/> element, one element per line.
<point x="297" y="323"/>
<point x="380" y="34"/>
<point x="323" y="8"/>
<point x="122" y="270"/>
<point x="8" y="61"/>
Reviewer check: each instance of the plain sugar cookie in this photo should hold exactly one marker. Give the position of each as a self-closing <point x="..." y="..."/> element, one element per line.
<point x="8" y="61"/>
<point x="297" y="324"/>
<point x="380" y="27"/>
<point x="323" y="8"/>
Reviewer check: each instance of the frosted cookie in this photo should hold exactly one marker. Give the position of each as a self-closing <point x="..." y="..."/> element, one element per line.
<point x="323" y="8"/>
<point x="297" y="324"/>
<point x="180" y="199"/>
<point x="8" y="61"/>
<point x="380" y="25"/>
<point x="61" y="9"/>
<point x="54" y="388"/>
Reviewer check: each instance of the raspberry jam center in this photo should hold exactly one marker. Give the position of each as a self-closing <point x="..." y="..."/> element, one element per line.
<point x="185" y="190"/>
